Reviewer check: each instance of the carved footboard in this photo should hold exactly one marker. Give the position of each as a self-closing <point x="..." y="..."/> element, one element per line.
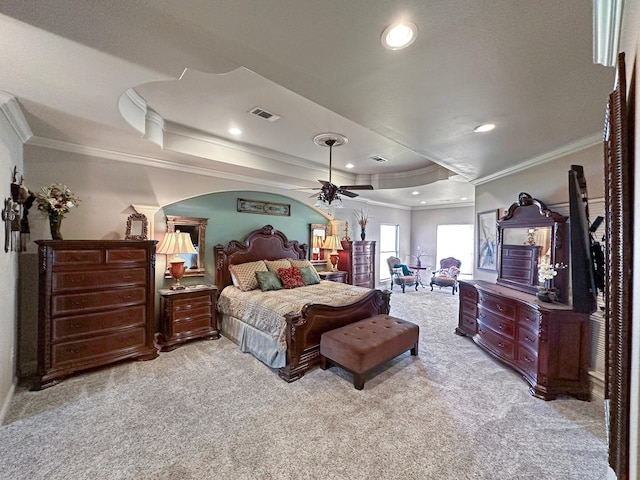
<point x="304" y="329"/>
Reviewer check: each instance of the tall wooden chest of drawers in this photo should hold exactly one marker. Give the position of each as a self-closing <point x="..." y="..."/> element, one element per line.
<point x="358" y="259"/>
<point x="548" y="343"/>
<point x="96" y="305"/>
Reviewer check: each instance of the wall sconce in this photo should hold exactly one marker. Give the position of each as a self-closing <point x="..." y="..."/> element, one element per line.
<point x="333" y="243"/>
<point x="175" y="243"/>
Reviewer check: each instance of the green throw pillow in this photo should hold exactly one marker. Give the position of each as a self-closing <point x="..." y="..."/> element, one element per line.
<point x="268" y="281"/>
<point x="309" y="275"/>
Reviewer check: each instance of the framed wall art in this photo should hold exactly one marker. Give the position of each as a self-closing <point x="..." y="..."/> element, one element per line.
<point x="263" y="208"/>
<point x="487" y="228"/>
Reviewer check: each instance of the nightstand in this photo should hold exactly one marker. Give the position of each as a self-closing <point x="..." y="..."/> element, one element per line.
<point x="339" y="277"/>
<point x="187" y="314"/>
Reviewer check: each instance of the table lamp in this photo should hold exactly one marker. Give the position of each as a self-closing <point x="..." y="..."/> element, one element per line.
<point x="175" y="243"/>
<point x="333" y="243"/>
<point x="317" y="245"/>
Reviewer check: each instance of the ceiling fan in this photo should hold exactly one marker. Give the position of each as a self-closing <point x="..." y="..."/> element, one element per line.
<point x="329" y="192"/>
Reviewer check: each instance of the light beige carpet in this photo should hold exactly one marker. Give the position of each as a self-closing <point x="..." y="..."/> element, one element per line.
<point x="207" y="410"/>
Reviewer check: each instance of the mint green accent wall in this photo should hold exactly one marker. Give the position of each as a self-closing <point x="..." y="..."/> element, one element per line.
<point x="226" y="223"/>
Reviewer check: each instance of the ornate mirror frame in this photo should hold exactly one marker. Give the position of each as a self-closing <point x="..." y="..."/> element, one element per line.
<point x="518" y="263"/>
<point x="317" y="255"/>
<point x="196" y="227"/>
<point x="137" y="227"/>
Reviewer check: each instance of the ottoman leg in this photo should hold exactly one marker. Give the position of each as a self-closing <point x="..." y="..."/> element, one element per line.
<point x="358" y="381"/>
<point x="414" y="350"/>
<point x="324" y="364"/>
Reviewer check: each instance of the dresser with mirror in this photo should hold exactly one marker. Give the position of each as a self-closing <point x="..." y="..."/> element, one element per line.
<point x="545" y="341"/>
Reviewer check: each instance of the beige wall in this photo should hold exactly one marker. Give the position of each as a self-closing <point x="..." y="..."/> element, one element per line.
<point x="547" y="182"/>
<point x="10" y="156"/>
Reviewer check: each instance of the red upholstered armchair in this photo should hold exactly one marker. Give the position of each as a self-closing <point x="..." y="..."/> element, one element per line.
<point x="447" y="276"/>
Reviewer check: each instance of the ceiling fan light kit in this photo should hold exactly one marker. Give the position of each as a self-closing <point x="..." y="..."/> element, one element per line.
<point x="329" y="195"/>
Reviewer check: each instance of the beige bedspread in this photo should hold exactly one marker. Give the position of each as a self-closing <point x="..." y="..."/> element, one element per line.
<point x="265" y="310"/>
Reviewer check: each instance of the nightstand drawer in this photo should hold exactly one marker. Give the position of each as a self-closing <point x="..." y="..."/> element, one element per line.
<point x="192" y="324"/>
<point x="188" y="303"/>
<point x="191" y="312"/>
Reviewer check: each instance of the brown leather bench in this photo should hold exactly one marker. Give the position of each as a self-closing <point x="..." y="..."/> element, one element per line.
<point x="363" y="345"/>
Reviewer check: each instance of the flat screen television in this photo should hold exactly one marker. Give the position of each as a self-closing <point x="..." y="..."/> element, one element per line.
<point x="584" y="264"/>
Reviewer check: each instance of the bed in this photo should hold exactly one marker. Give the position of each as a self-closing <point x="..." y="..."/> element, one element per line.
<point x="291" y="342"/>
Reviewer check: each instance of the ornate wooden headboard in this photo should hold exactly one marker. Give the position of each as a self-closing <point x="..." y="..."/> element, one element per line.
<point x="265" y="243"/>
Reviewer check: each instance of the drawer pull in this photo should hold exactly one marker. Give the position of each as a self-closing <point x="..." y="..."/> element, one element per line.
<point x="500" y="307"/>
<point x="528" y="359"/>
<point x="482" y="315"/>
<point x="527" y="337"/>
<point x="501" y="345"/>
<point x="79" y="303"/>
<point x="79" y="279"/>
<point x="127" y="277"/>
<point x="501" y="326"/>
<point x="74" y="350"/>
<point x="126" y="296"/>
<point x="75" y="325"/>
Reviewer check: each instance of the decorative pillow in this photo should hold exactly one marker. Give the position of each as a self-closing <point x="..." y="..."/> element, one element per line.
<point x="244" y="274"/>
<point x="275" y="265"/>
<point x="309" y="275"/>
<point x="290" y="277"/>
<point x="300" y="263"/>
<point x="268" y="281"/>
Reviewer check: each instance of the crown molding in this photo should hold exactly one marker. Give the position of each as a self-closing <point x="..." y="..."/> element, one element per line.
<point x="13" y="113"/>
<point x="565" y="150"/>
<point x="150" y="161"/>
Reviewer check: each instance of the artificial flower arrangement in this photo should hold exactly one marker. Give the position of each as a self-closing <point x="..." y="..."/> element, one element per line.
<point x="56" y="200"/>
<point x="546" y="272"/>
<point x="362" y="218"/>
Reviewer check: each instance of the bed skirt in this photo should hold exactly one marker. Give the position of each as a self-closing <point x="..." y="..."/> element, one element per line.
<point x="264" y="347"/>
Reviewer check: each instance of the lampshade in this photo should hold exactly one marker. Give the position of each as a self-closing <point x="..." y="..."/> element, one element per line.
<point x="317" y="241"/>
<point x="332" y="243"/>
<point x="175" y="243"/>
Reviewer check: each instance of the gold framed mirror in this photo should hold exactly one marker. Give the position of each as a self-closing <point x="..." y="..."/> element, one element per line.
<point x="196" y="228"/>
<point x="317" y="236"/>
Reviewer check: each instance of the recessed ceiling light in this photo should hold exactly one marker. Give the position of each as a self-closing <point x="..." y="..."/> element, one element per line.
<point x="399" y="35"/>
<point x="485" y="127"/>
<point x="235" y="131"/>
<point x="349" y="165"/>
<point x="423" y="202"/>
<point x="415" y="192"/>
<point x="463" y="198"/>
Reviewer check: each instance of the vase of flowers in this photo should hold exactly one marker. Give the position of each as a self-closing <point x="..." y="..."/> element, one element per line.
<point x="546" y="273"/>
<point x="362" y="218"/>
<point x="54" y="202"/>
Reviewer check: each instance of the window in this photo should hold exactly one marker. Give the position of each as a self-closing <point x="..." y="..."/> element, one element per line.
<point x="456" y="241"/>
<point x="388" y="247"/>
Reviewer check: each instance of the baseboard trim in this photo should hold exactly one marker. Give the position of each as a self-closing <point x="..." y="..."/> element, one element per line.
<point x="7" y="401"/>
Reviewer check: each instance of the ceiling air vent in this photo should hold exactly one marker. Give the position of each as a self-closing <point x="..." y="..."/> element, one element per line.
<point x="262" y="113"/>
<point x="378" y="158"/>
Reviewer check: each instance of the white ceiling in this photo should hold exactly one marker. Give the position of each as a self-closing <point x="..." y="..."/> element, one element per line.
<point x="182" y="73"/>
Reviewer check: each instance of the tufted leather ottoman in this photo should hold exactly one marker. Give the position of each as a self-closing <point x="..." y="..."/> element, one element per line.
<point x="363" y="345"/>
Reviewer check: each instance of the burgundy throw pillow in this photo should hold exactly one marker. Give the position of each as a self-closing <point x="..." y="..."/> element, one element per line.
<point x="290" y="277"/>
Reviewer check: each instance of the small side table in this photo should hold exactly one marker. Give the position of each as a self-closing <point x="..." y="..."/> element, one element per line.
<point x="338" y="277"/>
<point x="185" y="315"/>
<point x="418" y="270"/>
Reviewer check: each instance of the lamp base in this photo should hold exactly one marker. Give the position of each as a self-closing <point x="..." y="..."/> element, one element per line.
<point x="334" y="262"/>
<point x="177" y="286"/>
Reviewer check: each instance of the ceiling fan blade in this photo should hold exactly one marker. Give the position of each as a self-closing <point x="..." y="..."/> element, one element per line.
<point x="356" y="187"/>
<point x="325" y="183"/>
<point x="347" y="193"/>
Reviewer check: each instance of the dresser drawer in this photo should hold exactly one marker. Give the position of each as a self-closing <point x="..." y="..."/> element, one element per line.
<point x="469" y="323"/>
<point x="79" y="302"/>
<point x="359" y="248"/>
<point x="62" y="281"/>
<point x="79" y="351"/>
<point x="359" y="268"/>
<point x="495" y="304"/>
<point x="361" y="278"/>
<point x="528" y="361"/>
<point x="469" y="307"/>
<point x="529" y="318"/>
<point x="362" y="259"/>
<point x="468" y="295"/>
<point x="527" y="337"/>
<point x="498" y="324"/>
<point x="69" y="327"/>
<point x="500" y="345"/>
<point x="126" y="255"/>
<point x="77" y="257"/>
